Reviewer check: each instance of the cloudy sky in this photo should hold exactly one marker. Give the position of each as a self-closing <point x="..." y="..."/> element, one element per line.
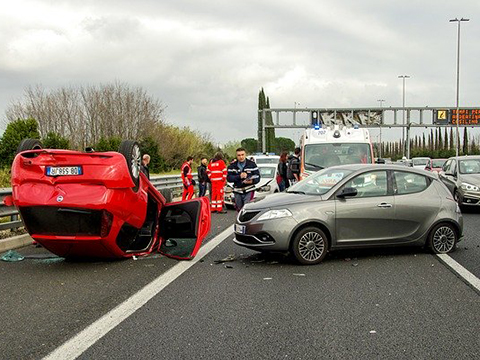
<point x="207" y="60"/>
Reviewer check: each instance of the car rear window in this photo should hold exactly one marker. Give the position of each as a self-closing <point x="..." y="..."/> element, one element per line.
<point x="409" y="183"/>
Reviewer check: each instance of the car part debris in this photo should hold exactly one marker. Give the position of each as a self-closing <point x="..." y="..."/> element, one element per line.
<point x="227" y="259"/>
<point x="12" y="256"/>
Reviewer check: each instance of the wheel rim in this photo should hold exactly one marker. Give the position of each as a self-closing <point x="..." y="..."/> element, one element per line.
<point x="135" y="161"/>
<point x="444" y="239"/>
<point x="311" y="246"/>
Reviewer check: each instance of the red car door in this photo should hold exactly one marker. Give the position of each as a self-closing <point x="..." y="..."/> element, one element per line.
<point x="183" y="226"/>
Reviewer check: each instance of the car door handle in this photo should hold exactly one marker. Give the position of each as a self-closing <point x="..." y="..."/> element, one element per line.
<point x="384" y="205"/>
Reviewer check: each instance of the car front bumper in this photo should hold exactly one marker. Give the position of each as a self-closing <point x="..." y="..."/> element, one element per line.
<point x="470" y="198"/>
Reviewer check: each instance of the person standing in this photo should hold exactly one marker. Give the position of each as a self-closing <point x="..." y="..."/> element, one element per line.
<point x="202" y="177"/>
<point x="293" y="170"/>
<point x="187" y="179"/>
<point x="144" y="167"/>
<point x="244" y="174"/>
<point x="282" y="178"/>
<point x="217" y="173"/>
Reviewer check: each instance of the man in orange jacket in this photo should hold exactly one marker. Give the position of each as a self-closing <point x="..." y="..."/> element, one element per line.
<point x="187" y="179"/>
<point x="217" y="173"/>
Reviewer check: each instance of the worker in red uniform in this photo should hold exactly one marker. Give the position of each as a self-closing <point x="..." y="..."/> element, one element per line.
<point x="217" y="173"/>
<point x="187" y="179"/>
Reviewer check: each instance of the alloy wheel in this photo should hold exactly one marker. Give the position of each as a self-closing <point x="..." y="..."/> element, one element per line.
<point x="443" y="239"/>
<point x="311" y="246"/>
<point x="135" y="161"/>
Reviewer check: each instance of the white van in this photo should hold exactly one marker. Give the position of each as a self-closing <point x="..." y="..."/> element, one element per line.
<point x="323" y="147"/>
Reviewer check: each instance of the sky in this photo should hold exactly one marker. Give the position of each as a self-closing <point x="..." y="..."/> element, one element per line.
<point x="207" y="60"/>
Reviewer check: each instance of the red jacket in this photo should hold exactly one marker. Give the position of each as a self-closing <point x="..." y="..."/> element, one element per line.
<point x="186" y="174"/>
<point x="217" y="171"/>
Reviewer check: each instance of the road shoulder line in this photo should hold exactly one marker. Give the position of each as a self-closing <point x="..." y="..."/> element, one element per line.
<point x="79" y="343"/>
<point x="458" y="269"/>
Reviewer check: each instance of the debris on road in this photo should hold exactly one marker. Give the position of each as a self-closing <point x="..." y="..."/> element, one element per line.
<point x="228" y="267"/>
<point x="267" y="278"/>
<point x="298" y="274"/>
<point x="373" y="332"/>
<point x="229" y="258"/>
<point x="12" y="256"/>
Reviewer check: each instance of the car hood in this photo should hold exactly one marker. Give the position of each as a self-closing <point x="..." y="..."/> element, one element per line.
<point x="280" y="199"/>
<point x="473" y="179"/>
<point x="263" y="182"/>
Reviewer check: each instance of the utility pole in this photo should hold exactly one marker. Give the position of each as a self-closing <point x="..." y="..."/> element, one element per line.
<point x="457" y="137"/>
<point x="381" y="101"/>
<point x="403" y="77"/>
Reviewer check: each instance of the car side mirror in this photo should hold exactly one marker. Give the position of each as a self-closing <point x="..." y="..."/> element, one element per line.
<point x="428" y="168"/>
<point x="347" y="192"/>
<point x="379" y="161"/>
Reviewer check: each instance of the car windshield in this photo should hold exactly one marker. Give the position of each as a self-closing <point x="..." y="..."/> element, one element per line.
<point x="423" y="161"/>
<point x="319" y="156"/>
<point x="438" y="163"/>
<point x="268" y="160"/>
<point x="470" y="166"/>
<point x="320" y="182"/>
<point x="267" y="172"/>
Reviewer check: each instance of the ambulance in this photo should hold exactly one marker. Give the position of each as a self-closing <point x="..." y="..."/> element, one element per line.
<point x="324" y="146"/>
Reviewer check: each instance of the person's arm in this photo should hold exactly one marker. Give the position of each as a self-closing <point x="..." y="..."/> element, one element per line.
<point x="255" y="177"/>
<point x="233" y="175"/>
<point x="186" y="180"/>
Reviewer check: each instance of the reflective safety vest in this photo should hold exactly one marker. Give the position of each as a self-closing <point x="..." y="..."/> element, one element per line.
<point x="187" y="176"/>
<point x="217" y="171"/>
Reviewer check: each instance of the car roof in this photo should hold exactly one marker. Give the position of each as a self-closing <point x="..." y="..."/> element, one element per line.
<point x="466" y="157"/>
<point x="372" y="167"/>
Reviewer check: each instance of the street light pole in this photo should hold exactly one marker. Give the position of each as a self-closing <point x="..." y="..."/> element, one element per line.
<point x="380" y="145"/>
<point x="295" y="112"/>
<point x="457" y="140"/>
<point x="403" y="77"/>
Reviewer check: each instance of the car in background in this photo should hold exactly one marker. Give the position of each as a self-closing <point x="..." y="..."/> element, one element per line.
<point x="99" y="204"/>
<point x="353" y="206"/>
<point x="420" y="162"/>
<point x="267" y="185"/>
<point x="268" y="158"/>
<point x="435" y="165"/>
<point x="461" y="175"/>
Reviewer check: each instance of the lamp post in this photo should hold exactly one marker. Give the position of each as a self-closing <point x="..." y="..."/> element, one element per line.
<point x="295" y="112"/>
<point x="381" y="101"/>
<point x="403" y="77"/>
<point x="457" y="138"/>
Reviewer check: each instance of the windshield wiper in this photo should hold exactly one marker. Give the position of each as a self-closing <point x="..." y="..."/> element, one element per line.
<point x="295" y="192"/>
<point x="314" y="165"/>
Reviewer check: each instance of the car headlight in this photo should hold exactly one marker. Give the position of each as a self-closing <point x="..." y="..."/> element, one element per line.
<point x="275" y="214"/>
<point x="264" y="188"/>
<point x="469" y="187"/>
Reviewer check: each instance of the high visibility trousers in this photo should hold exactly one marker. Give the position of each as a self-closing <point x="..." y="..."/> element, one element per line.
<point x="217" y="195"/>
<point x="187" y="192"/>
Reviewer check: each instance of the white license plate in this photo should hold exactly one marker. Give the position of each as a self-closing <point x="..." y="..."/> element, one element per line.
<point x="239" y="229"/>
<point x="64" y="170"/>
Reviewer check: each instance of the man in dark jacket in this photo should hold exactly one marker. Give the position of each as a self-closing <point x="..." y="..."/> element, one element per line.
<point x="244" y="174"/>
<point x="293" y="170"/>
<point x="144" y="167"/>
<point x="202" y="177"/>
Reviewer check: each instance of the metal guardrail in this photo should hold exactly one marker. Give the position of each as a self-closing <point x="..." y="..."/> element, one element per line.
<point x="173" y="183"/>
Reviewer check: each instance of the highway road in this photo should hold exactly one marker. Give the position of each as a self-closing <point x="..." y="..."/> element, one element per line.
<point x="401" y="303"/>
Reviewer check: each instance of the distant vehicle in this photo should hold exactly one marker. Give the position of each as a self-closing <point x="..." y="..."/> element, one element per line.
<point x="267" y="185"/>
<point x="435" y="165"/>
<point x="323" y="147"/>
<point x="462" y="177"/>
<point x="420" y="162"/>
<point x="99" y="204"/>
<point x="265" y="158"/>
<point x="353" y="206"/>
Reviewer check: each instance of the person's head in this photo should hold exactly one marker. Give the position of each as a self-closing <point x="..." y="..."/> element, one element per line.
<point x="218" y="156"/>
<point x="283" y="157"/>
<point x="297" y="151"/>
<point x="204" y="161"/>
<point x="241" y="154"/>
<point x="190" y="159"/>
<point x="146" y="159"/>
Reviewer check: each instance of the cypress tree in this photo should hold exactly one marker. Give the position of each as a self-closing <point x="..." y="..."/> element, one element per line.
<point x="445" y="140"/>
<point x="261" y="106"/>
<point x="423" y="142"/>
<point x="440" y="141"/>
<point x="452" y="143"/>
<point x="465" y="141"/>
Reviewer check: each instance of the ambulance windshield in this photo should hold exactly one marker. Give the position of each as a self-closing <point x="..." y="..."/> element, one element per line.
<point x="319" y="156"/>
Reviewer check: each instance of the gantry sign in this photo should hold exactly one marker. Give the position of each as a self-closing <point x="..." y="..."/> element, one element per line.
<point x="388" y="117"/>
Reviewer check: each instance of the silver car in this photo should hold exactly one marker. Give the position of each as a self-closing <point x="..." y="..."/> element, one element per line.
<point x="353" y="206"/>
<point x="462" y="177"/>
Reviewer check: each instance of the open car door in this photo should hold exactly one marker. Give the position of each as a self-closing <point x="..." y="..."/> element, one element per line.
<point x="183" y="226"/>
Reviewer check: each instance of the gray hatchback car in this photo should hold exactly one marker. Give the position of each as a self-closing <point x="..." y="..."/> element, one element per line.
<point x="353" y="206"/>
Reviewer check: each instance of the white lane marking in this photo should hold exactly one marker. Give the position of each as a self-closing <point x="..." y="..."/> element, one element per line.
<point x="460" y="270"/>
<point x="78" y="344"/>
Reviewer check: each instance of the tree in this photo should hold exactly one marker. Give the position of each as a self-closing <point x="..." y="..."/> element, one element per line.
<point x="150" y="147"/>
<point x="270" y="132"/>
<point x="452" y="143"/>
<point x="55" y="141"/>
<point x="282" y="144"/>
<point x="465" y="141"/>
<point x="15" y="132"/>
<point x="261" y="105"/>
<point x="250" y="145"/>
<point x="440" y="141"/>
<point x="445" y="140"/>
<point x="108" y="144"/>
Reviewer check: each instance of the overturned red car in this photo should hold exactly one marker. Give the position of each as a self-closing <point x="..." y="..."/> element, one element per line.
<point x="99" y="204"/>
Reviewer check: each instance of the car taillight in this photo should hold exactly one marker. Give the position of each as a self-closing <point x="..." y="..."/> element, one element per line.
<point x="107" y="219"/>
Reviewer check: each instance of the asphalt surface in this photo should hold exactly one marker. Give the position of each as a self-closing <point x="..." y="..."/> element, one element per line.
<point x="400" y="303"/>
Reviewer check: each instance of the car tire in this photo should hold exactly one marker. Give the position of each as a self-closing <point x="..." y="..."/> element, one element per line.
<point x="29" y="144"/>
<point x="131" y="152"/>
<point x="167" y="194"/>
<point x="309" y="246"/>
<point x="443" y="238"/>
